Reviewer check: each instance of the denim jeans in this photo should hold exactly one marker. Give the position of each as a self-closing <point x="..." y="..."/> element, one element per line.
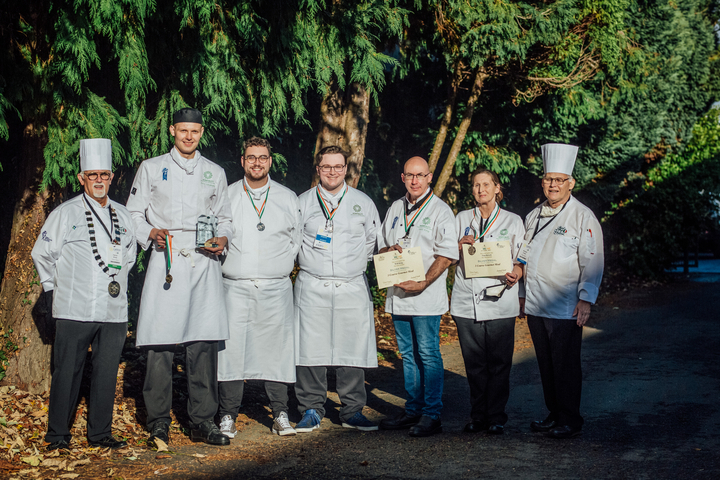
<point x="418" y="339"/>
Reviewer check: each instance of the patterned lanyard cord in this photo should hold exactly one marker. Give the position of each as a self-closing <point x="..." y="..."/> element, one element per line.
<point x="483" y="231"/>
<point x="409" y="223"/>
<point x="329" y="215"/>
<point x="262" y="207"/>
<point x="91" y="231"/>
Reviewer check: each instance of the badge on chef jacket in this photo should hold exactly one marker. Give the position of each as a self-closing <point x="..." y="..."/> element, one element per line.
<point x="404" y="242"/>
<point x="115" y="256"/>
<point x="524" y="254"/>
<point x="322" y="238"/>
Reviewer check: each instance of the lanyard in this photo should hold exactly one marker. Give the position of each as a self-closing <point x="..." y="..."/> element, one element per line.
<point x="489" y="223"/>
<point x="262" y="208"/>
<point x="323" y="206"/>
<point x="411" y="222"/>
<point x="548" y="223"/>
<point x="117" y="239"/>
<point x="168" y="251"/>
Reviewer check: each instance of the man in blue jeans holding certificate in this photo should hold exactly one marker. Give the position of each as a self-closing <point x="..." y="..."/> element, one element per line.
<point x="420" y="219"/>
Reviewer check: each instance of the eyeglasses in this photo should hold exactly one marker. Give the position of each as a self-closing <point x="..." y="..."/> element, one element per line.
<point x="413" y="176"/>
<point x="254" y="159"/>
<point x="94" y="175"/>
<point x="556" y="180"/>
<point x="330" y="168"/>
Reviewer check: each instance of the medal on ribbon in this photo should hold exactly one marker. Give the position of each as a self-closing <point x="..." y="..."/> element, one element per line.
<point x="411" y="221"/>
<point x="329" y="215"/>
<point x="113" y="286"/>
<point x="479" y="235"/>
<point x="260" y="226"/>
<point x="168" y="257"/>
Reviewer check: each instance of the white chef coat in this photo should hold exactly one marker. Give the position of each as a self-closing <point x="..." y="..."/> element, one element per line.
<point x="468" y="299"/>
<point x="172" y="192"/>
<point x="565" y="263"/>
<point x="258" y="290"/>
<point x="333" y="305"/>
<point x="434" y="231"/>
<point x="66" y="264"/>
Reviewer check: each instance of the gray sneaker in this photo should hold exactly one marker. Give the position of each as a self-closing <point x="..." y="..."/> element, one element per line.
<point x="281" y="425"/>
<point x="227" y="426"/>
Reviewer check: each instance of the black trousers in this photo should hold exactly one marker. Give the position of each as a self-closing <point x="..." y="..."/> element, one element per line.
<point x="311" y="389"/>
<point x="557" y="347"/>
<point x="487" y="349"/>
<point x="201" y="367"/>
<point x="70" y="349"/>
<point x="231" y="395"/>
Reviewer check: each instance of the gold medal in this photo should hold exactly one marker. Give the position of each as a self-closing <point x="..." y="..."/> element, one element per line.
<point x="114" y="289"/>
<point x="168" y="278"/>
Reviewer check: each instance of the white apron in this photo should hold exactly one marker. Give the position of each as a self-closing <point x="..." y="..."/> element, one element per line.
<point x="262" y="340"/>
<point x="335" y="322"/>
<point x="192" y="307"/>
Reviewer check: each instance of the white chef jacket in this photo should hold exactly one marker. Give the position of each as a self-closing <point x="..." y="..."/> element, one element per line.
<point x="565" y="263"/>
<point x="434" y="231"/>
<point x="468" y="299"/>
<point x="172" y="192"/>
<point x="258" y="290"/>
<point x="333" y="305"/>
<point x="66" y="264"/>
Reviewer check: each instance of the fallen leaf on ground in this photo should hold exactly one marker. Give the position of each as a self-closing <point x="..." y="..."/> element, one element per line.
<point x="161" y="446"/>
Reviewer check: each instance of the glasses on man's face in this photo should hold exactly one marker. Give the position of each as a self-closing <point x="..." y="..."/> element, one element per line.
<point x="556" y="180"/>
<point x="253" y="159"/>
<point x="330" y="168"/>
<point x="92" y="176"/>
<point x="412" y="176"/>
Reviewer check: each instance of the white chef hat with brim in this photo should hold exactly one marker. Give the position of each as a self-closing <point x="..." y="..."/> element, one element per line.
<point x="559" y="158"/>
<point x="95" y="154"/>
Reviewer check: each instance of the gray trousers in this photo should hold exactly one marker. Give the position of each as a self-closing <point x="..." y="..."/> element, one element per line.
<point x="311" y="389"/>
<point x="231" y="395"/>
<point x="487" y="349"/>
<point x="69" y="353"/>
<point x="201" y="367"/>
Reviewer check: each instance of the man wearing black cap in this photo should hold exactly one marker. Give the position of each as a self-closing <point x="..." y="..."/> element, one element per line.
<point x="175" y="198"/>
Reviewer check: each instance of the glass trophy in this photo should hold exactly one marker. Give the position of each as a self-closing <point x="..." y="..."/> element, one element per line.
<point x="206" y="230"/>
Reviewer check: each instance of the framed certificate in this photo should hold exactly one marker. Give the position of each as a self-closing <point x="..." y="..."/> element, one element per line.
<point x="487" y="259"/>
<point x="395" y="267"/>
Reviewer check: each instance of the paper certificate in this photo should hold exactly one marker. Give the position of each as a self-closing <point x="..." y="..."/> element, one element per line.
<point x="487" y="259"/>
<point x="395" y="267"/>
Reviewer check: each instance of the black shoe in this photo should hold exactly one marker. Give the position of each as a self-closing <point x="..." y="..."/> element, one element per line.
<point x="108" y="442"/>
<point x="475" y="427"/>
<point x="565" y="431"/>
<point x="400" y="422"/>
<point x="161" y="431"/>
<point x="496" y="429"/>
<point x="60" y="444"/>
<point x="426" y="427"/>
<point x="209" y="433"/>
<point x="544" y="426"/>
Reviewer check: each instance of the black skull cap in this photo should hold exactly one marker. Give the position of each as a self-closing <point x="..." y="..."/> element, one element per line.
<point x="189" y="115"/>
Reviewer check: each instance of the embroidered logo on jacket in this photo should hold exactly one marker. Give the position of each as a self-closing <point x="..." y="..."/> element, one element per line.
<point x="165" y="172"/>
<point x="207" y="179"/>
<point x="560" y="231"/>
<point x="45" y="237"/>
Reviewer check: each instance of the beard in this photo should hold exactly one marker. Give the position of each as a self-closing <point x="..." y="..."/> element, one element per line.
<point x="99" y="193"/>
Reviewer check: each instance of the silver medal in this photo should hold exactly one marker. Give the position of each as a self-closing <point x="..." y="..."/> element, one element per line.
<point x="472" y="250"/>
<point x="261" y="226"/>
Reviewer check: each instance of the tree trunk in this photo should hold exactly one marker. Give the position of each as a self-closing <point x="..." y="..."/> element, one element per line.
<point x="442" y="180"/>
<point x="447" y="118"/>
<point x="344" y="117"/>
<point x="27" y="321"/>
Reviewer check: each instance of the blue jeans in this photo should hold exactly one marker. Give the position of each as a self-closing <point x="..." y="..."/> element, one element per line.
<point x="418" y="339"/>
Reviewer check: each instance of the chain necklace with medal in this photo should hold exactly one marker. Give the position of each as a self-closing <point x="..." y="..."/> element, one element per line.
<point x="329" y="215"/>
<point x="483" y="230"/>
<point x="260" y="225"/>
<point x="409" y="223"/>
<point x="113" y="286"/>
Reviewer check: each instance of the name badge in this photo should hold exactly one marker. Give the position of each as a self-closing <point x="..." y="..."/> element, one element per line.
<point x="115" y="256"/>
<point x="524" y="254"/>
<point x="404" y="242"/>
<point x="323" y="238"/>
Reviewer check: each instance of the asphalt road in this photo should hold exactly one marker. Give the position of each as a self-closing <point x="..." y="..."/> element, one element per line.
<point x="651" y="389"/>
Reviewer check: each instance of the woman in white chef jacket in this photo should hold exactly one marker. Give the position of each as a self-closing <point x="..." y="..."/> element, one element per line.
<point x="485" y="308"/>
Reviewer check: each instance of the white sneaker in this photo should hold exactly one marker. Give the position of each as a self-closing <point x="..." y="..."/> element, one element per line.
<point x="282" y="426"/>
<point x="227" y="426"/>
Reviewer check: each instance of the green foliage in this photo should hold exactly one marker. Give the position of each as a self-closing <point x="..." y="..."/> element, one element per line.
<point x="677" y="205"/>
<point x="6" y="347"/>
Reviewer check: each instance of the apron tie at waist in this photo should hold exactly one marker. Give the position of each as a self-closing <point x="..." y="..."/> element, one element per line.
<point x="185" y="252"/>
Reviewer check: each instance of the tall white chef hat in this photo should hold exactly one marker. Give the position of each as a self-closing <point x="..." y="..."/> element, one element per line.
<point x="95" y="154"/>
<point x="559" y="158"/>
